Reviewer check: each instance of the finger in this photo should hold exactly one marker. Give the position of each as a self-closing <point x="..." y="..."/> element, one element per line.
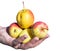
<point x="15" y="42"/>
<point x="17" y="46"/>
<point x="40" y="41"/>
<point x="24" y="46"/>
<point x="22" y="38"/>
<point x="19" y="40"/>
<point x="29" y="44"/>
<point x="47" y="36"/>
<point x="34" y="40"/>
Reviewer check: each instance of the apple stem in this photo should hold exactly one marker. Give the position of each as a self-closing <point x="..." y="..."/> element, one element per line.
<point x="23" y="4"/>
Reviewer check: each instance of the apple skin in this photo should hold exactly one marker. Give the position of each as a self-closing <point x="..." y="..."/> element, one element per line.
<point x="25" y="18"/>
<point x="31" y="33"/>
<point x="40" y="29"/>
<point x="14" y="30"/>
<point x="25" y="32"/>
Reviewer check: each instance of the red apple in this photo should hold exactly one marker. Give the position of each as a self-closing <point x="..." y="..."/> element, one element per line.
<point x="40" y="29"/>
<point x="14" y="30"/>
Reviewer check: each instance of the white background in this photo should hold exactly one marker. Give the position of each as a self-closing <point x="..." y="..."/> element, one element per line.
<point x="44" y="10"/>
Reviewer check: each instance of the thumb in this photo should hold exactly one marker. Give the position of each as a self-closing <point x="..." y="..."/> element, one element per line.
<point x="16" y="43"/>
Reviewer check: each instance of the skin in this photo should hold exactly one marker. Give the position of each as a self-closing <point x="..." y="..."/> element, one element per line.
<point x="6" y="39"/>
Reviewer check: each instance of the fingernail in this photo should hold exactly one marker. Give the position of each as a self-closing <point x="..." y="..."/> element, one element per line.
<point x="25" y="36"/>
<point x="36" y="38"/>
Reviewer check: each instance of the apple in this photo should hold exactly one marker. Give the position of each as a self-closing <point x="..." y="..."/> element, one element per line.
<point x="40" y="29"/>
<point x="25" y="32"/>
<point x="30" y="31"/>
<point x="25" y="18"/>
<point x="14" y="30"/>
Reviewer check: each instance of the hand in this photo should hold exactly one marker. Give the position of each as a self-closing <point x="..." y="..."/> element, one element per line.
<point x="5" y="38"/>
<point x="31" y="44"/>
<point x="17" y="43"/>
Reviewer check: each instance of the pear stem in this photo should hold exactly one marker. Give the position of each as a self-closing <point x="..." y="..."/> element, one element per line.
<point x="23" y="4"/>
